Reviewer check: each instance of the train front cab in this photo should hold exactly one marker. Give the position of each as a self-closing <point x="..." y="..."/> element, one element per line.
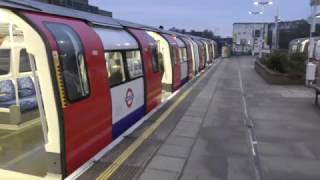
<point x="168" y="62"/>
<point x="49" y="99"/>
<point x="184" y="65"/>
<point x="151" y="67"/>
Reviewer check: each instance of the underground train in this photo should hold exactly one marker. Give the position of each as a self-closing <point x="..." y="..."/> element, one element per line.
<point x="302" y="45"/>
<point x="71" y="82"/>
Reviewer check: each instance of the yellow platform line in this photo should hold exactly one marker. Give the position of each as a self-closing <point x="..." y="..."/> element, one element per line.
<point x="106" y="174"/>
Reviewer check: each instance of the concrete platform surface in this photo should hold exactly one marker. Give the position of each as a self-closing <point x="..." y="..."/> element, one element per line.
<point x="232" y="126"/>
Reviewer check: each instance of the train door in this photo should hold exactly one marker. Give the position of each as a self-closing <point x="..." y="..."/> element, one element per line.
<point x="196" y="58"/>
<point x="183" y="61"/>
<point x="190" y="57"/>
<point x="79" y="70"/>
<point x="151" y="68"/>
<point x="174" y="54"/>
<point x="29" y="130"/>
<point x="165" y="65"/>
<point x="213" y="50"/>
<point x="126" y="78"/>
<point x="202" y="55"/>
<point x="210" y="51"/>
<point x="206" y="49"/>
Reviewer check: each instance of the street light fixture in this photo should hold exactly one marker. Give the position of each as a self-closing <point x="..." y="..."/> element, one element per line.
<point x="256" y="12"/>
<point x="260" y="41"/>
<point x="263" y="3"/>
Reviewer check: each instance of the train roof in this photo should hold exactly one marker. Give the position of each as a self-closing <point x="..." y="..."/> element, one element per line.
<point x="96" y="19"/>
<point x="35" y="6"/>
<point x="137" y="25"/>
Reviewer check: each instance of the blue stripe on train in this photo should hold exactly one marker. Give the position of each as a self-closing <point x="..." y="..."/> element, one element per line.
<point x="125" y="123"/>
<point x="185" y="80"/>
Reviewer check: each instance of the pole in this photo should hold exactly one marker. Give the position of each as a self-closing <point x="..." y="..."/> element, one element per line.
<point x="314" y="4"/>
<point x="277" y="19"/>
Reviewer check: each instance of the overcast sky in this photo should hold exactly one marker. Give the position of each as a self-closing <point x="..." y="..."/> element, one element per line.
<point x="216" y="15"/>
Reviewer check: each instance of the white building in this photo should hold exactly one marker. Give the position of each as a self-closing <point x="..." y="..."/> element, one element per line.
<point x="249" y="37"/>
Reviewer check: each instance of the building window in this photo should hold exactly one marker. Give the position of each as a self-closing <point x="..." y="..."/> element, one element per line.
<point x="134" y="64"/>
<point x="257" y="33"/>
<point x="5" y="61"/>
<point x="114" y="63"/>
<point x="72" y="58"/>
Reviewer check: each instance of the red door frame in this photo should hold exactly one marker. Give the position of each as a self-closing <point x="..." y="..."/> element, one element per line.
<point x="87" y="129"/>
<point x="176" y="67"/>
<point x="152" y="79"/>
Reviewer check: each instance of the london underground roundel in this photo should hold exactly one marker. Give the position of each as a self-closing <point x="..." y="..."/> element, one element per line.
<point x="129" y="97"/>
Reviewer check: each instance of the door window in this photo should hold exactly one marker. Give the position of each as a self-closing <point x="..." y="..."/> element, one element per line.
<point x="71" y="56"/>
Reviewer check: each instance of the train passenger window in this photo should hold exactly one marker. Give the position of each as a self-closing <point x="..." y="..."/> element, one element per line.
<point x="115" y="68"/>
<point x="5" y="55"/>
<point x="24" y="61"/>
<point x="134" y="64"/>
<point x="71" y="55"/>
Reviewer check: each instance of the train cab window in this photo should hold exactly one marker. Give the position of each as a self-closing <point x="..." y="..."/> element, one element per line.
<point x="24" y="61"/>
<point x="71" y="55"/>
<point x="5" y="61"/>
<point x="134" y="64"/>
<point x="115" y="68"/>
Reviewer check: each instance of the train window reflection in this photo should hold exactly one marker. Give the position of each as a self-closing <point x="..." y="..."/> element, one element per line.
<point x="114" y="62"/>
<point x="5" y="61"/>
<point x="134" y="64"/>
<point x="72" y="60"/>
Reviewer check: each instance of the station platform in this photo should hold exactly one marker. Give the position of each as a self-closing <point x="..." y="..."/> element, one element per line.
<point x="227" y="125"/>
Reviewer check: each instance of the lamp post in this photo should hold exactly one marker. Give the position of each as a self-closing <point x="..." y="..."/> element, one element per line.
<point x="277" y="19"/>
<point x="260" y="39"/>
